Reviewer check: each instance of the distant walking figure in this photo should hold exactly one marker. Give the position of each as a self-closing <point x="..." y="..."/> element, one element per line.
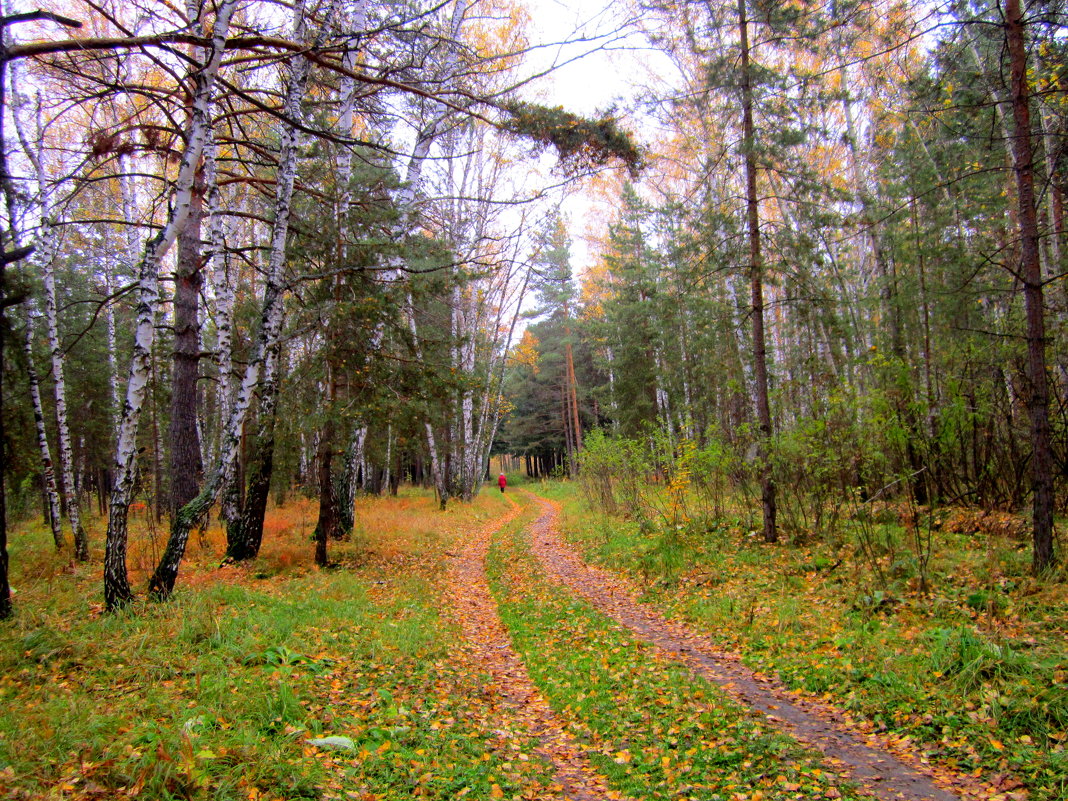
<point x="502" y="482"/>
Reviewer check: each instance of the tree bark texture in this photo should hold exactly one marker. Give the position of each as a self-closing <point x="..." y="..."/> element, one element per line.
<point x="45" y="258"/>
<point x="756" y="277"/>
<point x="186" y="465"/>
<point x="48" y="473"/>
<point x="259" y="470"/>
<point x="1031" y="275"/>
<point x="326" y="527"/>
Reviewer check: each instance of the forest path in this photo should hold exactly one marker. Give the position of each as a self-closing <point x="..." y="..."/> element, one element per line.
<point x="488" y="640"/>
<point x="867" y="759"/>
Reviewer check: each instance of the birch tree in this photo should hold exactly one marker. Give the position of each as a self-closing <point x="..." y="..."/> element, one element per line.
<point x="117" y="590"/>
<point x="47" y="471"/>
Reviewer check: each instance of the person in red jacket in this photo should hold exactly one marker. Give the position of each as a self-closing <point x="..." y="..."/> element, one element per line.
<point x="502" y="482"/>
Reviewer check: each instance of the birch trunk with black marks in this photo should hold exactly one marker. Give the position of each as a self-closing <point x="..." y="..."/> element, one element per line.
<point x="232" y="497"/>
<point x="113" y="345"/>
<point x="48" y="473"/>
<point x="47" y="251"/>
<point x="166" y="573"/>
<point x="117" y="590"/>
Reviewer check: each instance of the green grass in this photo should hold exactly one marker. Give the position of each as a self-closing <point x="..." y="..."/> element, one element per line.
<point x="651" y="727"/>
<point x="214" y="694"/>
<point x="975" y="672"/>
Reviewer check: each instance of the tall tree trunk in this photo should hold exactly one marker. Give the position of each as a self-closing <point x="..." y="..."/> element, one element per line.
<point x="326" y="527"/>
<point x="113" y="361"/>
<point x="48" y="473"/>
<point x="1031" y="275"/>
<point x="186" y="465"/>
<point x="1056" y="196"/>
<point x="572" y="389"/>
<point x="232" y="497"/>
<point x="117" y="590"/>
<point x="6" y="609"/>
<point x="244" y="536"/>
<point x="756" y="277"/>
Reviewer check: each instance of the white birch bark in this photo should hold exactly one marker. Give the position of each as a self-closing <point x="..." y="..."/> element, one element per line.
<point x="45" y="253"/>
<point x="112" y="339"/>
<point x="610" y="360"/>
<point x="224" y="300"/>
<point x="389" y="456"/>
<point x="116" y="581"/>
<point x="48" y="473"/>
<point x="354" y="461"/>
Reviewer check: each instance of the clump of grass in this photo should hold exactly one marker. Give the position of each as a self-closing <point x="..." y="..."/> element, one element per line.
<point x="970" y="659"/>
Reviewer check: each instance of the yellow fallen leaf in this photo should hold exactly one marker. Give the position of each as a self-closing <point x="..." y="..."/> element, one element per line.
<point x="496" y="791"/>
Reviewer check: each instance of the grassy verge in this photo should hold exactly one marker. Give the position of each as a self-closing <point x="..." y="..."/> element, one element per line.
<point x="215" y="694"/>
<point x="976" y="671"/>
<point x="653" y="730"/>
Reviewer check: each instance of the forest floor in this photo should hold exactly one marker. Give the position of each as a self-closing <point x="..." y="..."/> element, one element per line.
<point x="466" y="654"/>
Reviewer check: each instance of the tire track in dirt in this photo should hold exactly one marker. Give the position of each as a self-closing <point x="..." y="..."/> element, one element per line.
<point x="890" y="776"/>
<point x="488" y="640"/>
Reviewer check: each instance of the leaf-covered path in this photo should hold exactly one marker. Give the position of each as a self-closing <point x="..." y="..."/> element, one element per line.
<point x="866" y="758"/>
<point x="477" y="615"/>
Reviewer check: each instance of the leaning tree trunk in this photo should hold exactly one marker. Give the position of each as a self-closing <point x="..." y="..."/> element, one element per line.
<point x="756" y="277"/>
<point x="1031" y="275"/>
<point x="117" y="590"/>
